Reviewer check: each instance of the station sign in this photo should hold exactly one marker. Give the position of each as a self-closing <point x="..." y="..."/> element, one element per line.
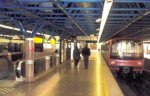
<point x="4" y="40"/>
<point x="43" y="40"/>
<point x="38" y="40"/>
<point x="87" y="38"/>
<point x="52" y="41"/>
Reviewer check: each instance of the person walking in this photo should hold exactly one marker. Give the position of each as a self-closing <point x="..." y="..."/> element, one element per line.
<point x="76" y="55"/>
<point x="86" y="53"/>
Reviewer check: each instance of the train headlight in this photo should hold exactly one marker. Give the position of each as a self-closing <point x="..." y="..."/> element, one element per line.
<point x="112" y="62"/>
<point x="139" y="63"/>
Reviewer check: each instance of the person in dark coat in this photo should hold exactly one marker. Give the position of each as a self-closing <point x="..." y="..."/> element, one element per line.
<point x="76" y="55"/>
<point x="86" y="53"/>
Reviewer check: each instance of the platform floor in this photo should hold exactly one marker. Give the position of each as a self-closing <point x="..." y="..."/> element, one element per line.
<point x="67" y="81"/>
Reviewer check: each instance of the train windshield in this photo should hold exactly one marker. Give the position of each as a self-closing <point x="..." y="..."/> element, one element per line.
<point x="126" y="50"/>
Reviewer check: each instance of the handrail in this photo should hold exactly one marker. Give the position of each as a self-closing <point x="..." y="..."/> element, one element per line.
<point x="13" y="53"/>
<point x="20" y="62"/>
<point x="43" y="57"/>
<point x="10" y="53"/>
<point x="18" y="68"/>
<point x="38" y="57"/>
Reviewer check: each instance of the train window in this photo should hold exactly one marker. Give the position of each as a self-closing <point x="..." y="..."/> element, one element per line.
<point x="126" y="49"/>
<point x="148" y="49"/>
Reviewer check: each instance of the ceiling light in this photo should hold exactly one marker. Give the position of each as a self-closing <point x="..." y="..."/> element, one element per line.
<point x="106" y="9"/>
<point x="8" y="27"/>
<point x="13" y="28"/>
<point x="109" y="1"/>
<point x="98" y="20"/>
<point x="97" y="29"/>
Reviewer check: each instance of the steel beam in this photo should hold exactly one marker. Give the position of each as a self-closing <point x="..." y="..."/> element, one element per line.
<point x="38" y="26"/>
<point x="68" y="14"/>
<point x="52" y="33"/>
<point x="63" y="18"/>
<point x="60" y="0"/>
<point x="132" y="1"/>
<point x="76" y="8"/>
<point x="22" y="29"/>
<point x="129" y="24"/>
<point x="71" y="18"/>
<point x="35" y="15"/>
<point x="13" y="12"/>
<point x="33" y="0"/>
<point x="51" y="8"/>
<point x="146" y="29"/>
<point x="123" y="1"/>
<point x="128" y="9"/>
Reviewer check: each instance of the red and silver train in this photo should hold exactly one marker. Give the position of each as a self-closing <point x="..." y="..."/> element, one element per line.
<point x="124" y="56"/>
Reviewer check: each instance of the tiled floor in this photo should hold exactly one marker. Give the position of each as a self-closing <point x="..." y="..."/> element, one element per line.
<point x="66" y="81"/>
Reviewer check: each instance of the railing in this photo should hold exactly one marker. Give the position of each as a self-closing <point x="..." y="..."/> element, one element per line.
<point x="12" y="56"/>
<point x="40" y="65"/>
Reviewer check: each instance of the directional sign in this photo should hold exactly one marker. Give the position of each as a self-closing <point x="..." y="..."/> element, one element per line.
<point x="86" y="38"/>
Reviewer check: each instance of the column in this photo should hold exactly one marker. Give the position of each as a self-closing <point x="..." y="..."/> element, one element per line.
<point x="57" y="59"/>
<point x="47" y="63"/>
<point x="60" y="52"/>
<point x="29" y="57"/>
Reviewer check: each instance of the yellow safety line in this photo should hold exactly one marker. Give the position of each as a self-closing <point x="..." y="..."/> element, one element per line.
<point x="104" y="80"/>
<point x="98" y="76"/>
<point x="105" y="87"/>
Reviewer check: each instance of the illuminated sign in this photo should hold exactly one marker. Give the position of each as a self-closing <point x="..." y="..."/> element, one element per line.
<point x="87" y="38"/>
<point x="52" y="41"/>
<point x="44" y="40"/>
<point x="4" y="41"/>
<point x="38" y="40"/>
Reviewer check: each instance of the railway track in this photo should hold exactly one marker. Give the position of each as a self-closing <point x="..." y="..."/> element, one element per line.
<point x="135" y="87"/>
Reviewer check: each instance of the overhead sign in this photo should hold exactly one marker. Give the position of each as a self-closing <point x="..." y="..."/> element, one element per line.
<point x="4" y="40"/>
<point x="44" y="40"/>
<point x="87" y="38"/>
<point x="38" y="40"/>
<point x="52" y="41"/>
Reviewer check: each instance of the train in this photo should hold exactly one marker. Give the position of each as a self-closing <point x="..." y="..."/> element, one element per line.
<point x="124" y="56"/>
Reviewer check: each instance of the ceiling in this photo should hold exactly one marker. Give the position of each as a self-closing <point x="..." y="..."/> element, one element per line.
<point x="128" y="19"/>
<point x="70" y="18"/>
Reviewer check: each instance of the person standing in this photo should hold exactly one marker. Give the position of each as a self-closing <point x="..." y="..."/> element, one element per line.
<point x="76" y="55"/>
<point x="86" y="53"/>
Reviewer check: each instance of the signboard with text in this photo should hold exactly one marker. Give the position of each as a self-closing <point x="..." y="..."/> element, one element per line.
<point x="87" y="38"/>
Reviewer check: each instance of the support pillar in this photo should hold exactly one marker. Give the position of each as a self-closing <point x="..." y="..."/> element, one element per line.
<point x="60" y="52"/>
<point x="29" y="57"/>
<point x="68" y="51"/>
<point x="47" y="63"/>
<point x="9" y="56"/>
<point x="57" y="59"/>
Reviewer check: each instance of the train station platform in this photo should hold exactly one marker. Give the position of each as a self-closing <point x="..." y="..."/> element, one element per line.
<point x="66" y="80"/>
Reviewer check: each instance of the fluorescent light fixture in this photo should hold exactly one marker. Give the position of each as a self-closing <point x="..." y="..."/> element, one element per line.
<point x="106" y="9"/>
<point x="16" y="29"/>
<point x="38" y="33"/>
<point x="6" y="35"/>
<point x="98" y="20"/>
<point x="97" y="29"/>
<point x="29" y="31"/>
<point x="9" y="27"/>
